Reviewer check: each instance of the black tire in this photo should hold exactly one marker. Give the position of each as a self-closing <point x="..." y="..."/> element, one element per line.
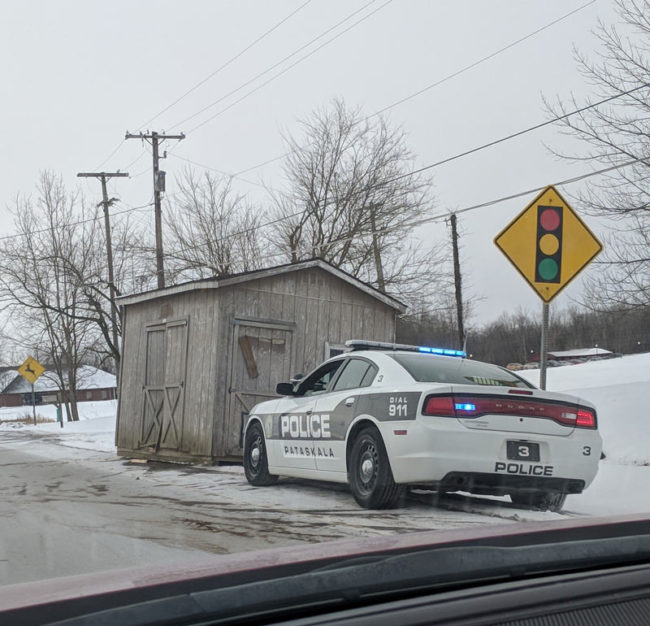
<point x="256" y="466"/>
<point x="543" y="500"/>
<point x="369" y="474"/>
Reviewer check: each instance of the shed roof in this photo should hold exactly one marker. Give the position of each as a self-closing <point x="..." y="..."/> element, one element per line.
<point x="234" y="279"/>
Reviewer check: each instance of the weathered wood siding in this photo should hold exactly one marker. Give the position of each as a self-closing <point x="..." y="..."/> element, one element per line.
<point x="287" y="319"/>
<point x="200" y="310"/>
<point x="324" y="309"/>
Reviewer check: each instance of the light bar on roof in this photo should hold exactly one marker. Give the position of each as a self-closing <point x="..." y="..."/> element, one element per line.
<point x="444" y="351"/>
<point x="360" y="344"/>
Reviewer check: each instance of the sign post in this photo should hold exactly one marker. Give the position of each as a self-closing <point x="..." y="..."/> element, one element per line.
<point x="31" y="370"/>
<point x="549" y="245"/>
<point x="543" y="346"/>
<point x="33" y="404"/>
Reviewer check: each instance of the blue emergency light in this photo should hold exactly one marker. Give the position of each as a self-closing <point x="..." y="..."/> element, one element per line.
<point x="359" y="344"/>
<point x="445" y="351"/>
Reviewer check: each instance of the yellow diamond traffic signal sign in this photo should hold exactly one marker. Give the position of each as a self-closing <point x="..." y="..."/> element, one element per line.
<point x="548" y="243"/>
<point x="31" y="369"/>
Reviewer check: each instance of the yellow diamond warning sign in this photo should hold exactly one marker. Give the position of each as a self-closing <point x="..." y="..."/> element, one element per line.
<point x="31" y="369"/>
<point x="548" y="243"/>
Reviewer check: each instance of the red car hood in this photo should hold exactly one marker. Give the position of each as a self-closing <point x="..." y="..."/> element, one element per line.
<point x="224" y="566"/>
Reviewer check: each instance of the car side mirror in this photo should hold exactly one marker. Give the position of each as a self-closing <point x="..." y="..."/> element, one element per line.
<point x="284" y="389"/>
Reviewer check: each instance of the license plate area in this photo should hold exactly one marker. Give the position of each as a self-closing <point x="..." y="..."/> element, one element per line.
<point x="522" y="451"/>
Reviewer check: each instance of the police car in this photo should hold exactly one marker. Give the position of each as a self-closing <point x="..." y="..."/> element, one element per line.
<point x="384" y="416"/>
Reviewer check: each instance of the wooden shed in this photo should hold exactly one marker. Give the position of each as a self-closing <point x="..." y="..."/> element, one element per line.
<point x="198" y="356"/>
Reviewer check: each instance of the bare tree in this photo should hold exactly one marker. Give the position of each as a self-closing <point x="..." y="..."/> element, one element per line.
<point x="43" y="295"/>
<point x="353" y="201"/>
<point x="616" y="134"/>
<point x="54" y="282"/>
<point x="92" y="274"/>
<point x="211" y="230"/>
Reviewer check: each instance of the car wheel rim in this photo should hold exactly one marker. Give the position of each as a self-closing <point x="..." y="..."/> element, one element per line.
<point x="368" y="468"/>
<point x="256" y="454"/>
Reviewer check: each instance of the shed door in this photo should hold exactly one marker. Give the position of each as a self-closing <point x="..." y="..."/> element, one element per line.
<point x="261" y="358"/>
<point x="163" y="401"/>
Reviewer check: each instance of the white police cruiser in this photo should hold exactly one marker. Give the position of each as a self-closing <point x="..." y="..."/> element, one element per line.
<point x="383" y="416"/>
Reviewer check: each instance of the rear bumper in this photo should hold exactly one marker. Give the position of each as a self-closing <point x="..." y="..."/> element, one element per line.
<point x="500" y="484"/>
<point x="438" y="451"/>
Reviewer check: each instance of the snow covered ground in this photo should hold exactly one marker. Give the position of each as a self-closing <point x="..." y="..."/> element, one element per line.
<point x="94" y="431"/>
<point x="618" y="387"/>
<point x="87" y="411"/>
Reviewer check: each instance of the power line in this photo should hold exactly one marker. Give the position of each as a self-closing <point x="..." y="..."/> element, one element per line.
<point x="483" y="146"/>
<point x="227" y="63"/>
<point x="434" y="218"/>
<point x="126" y="167"/>
<point x="494" y="142"/>
<point x="285" y="70"/>
<point x="405" y="99"/>
<point x="532" y="128"/>
<point x="142" y="172"/>
<point x="39" y="231"/>
<point x="108" y="158"/>
<point x="214" y="169"/>
<point x="568" y="181"/>
<point x="254" y="167"/>
<point x="517" y="134"/>
<point x="483" y="59"/>
<point x="197" y="85"/>
<point x="132" y="163"/>
<point x="280" y="62"/>
<point x="445" y="78"/>
<point x="412" y="224"/>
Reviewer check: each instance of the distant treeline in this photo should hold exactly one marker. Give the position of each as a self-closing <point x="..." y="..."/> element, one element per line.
<point x="515" y="337"/>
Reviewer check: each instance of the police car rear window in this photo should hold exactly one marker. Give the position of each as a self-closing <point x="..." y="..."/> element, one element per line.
<point x="431" y="369"/>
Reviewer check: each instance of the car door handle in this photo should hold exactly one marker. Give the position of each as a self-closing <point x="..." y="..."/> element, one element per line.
<point x="349" y="402"/>
<point x="309" y="411"/>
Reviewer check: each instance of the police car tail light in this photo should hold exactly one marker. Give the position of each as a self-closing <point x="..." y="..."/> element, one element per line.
<point x="440" y="406"/>
<point x="586" y="418"/>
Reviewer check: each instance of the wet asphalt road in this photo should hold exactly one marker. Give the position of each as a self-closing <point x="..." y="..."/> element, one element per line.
<point x="67" y="511"/>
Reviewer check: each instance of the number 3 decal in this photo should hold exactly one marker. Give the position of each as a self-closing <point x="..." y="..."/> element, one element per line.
<point x="586" y="450"/>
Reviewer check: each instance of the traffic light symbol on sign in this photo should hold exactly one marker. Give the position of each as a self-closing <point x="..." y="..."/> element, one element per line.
<point x="548" y="260"/>
<point x="548" y="243"/>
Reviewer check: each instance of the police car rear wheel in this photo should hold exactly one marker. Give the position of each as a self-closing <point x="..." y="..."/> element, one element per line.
<point x="256" y="465"/>
<point x="544" y="500"/>
<point x="371" y="479"/>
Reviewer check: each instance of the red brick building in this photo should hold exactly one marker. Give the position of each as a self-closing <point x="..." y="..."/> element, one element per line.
<point x="93" y="385"/>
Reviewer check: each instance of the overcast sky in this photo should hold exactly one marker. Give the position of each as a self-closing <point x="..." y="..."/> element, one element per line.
<point x="78" y="74"/>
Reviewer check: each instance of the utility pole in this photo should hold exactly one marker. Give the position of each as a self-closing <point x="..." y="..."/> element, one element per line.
<point x="103" y="176"/>
<point x="381" y="283"/>
<point x="155" y="139"/>
<point x="457" y="282"/>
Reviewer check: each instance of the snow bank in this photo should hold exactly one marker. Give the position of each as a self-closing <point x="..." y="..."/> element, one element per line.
<point x="87" y="411"/>
<point x="619" y="388"/>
